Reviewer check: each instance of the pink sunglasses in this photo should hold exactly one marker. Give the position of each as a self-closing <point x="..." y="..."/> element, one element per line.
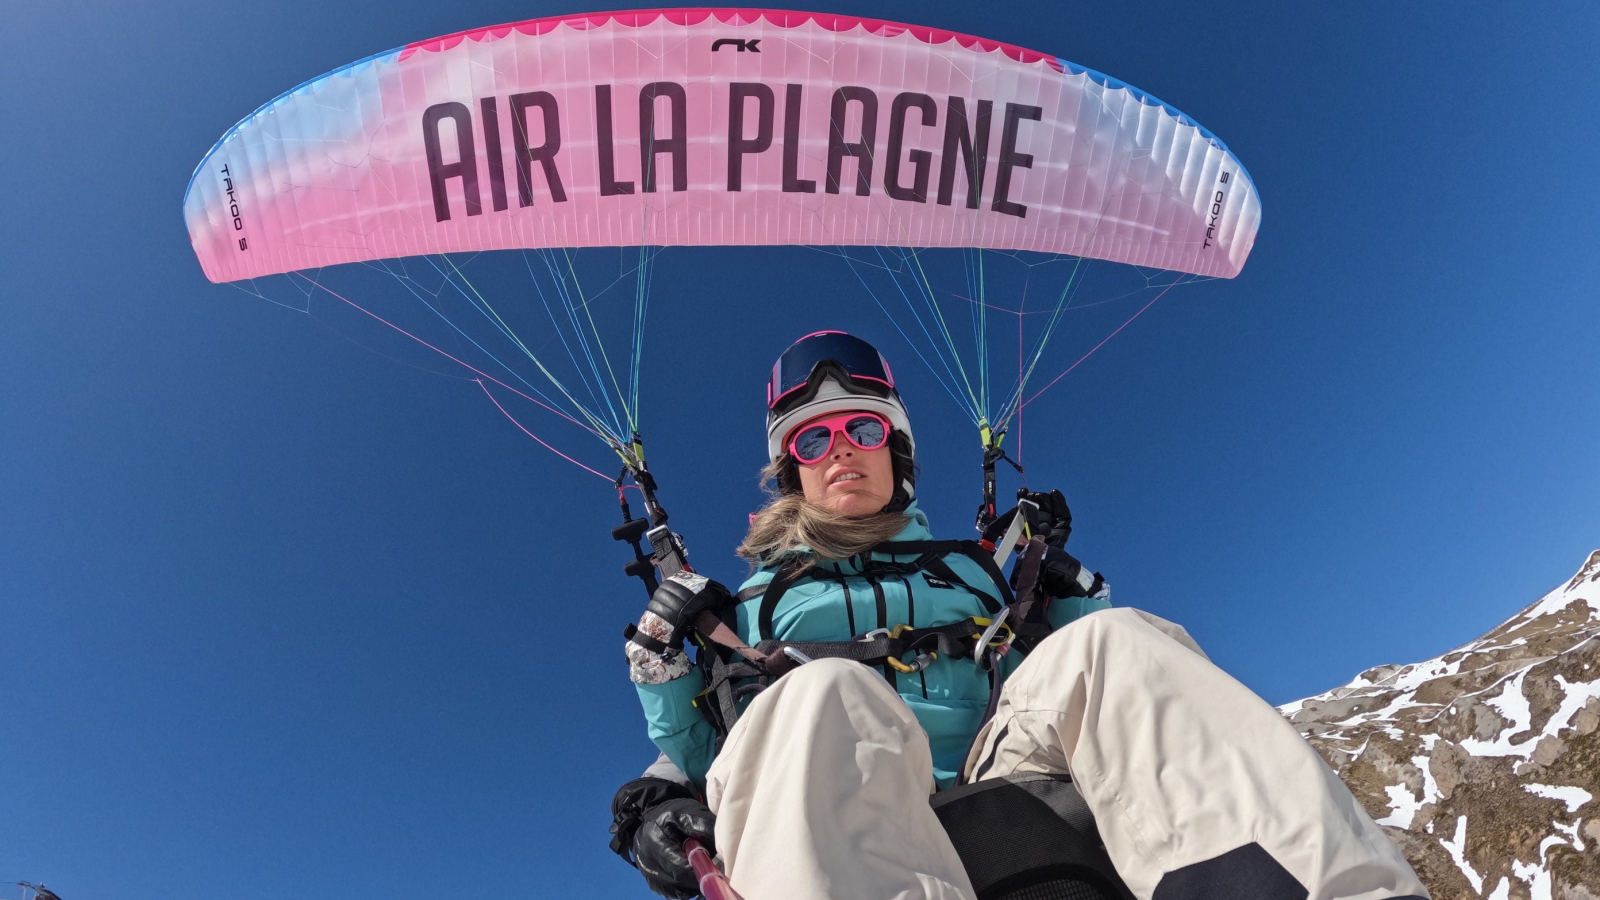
<point x="864" y="430"/>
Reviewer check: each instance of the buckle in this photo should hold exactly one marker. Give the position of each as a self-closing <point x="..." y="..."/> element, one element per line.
<point x="987" y="652"/>
<point x="997" y="623"/>
<point x="923" y="659"/>
<point x="886" y="633"/>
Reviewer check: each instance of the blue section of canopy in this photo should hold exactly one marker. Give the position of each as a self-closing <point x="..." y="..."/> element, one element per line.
<point x="356" y="67"/>
<point x="1146" y="97"/>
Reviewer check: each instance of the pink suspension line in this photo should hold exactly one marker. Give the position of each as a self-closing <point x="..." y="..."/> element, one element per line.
<point x="462" y="363"/>
<point x="1101" y="344"/>
<point x="535" y="436"/>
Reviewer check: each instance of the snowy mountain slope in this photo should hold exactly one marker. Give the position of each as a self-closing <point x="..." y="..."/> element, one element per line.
<point x="1483" y="764"/>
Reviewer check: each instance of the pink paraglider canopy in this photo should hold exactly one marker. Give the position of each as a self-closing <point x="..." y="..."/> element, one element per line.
<point x="716" y="126"/>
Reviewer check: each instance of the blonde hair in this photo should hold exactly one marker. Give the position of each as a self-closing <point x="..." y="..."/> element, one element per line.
<point x="790" y="526"/>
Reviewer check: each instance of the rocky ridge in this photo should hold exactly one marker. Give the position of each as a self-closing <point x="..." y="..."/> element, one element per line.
<point x="1483" y="764"/>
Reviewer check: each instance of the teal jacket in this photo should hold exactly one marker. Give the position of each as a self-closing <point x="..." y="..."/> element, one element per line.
<point x="948" y="697"/>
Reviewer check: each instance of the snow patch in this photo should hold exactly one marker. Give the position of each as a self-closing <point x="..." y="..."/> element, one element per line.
<point x="1502" y="891"/>
<point x="1546" y="844"/>
<point x="1401" y="701"/>
<point x="1575" y="696"/>
<point x="1402" y="806"/>
<point x="1430" y="787"/>
<point x="1457" y="848"/>
<point x="1573" y="797"/>
<point x="1537" y="878"/>
<point x="1553" y="602"/>
<point x="1513" y="705"/>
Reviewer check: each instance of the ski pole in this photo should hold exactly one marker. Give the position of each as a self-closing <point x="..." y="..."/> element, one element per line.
<point x="713" y="884"/>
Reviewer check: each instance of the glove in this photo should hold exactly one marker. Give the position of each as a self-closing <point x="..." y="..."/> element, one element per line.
<point x="651" y="820"/>
<point x="1054" y="519"/>
<point x="681" y="598"/>
<point x="1062" y="576"/>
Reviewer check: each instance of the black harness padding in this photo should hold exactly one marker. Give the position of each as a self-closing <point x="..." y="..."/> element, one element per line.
<point x="1030" y="836"/>
<point x="634" y="635"/>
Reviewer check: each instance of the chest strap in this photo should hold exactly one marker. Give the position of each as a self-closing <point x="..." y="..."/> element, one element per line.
<point x="929" y="558"/>
<point x="726" y="659"/>
<point x="731" y="660"/>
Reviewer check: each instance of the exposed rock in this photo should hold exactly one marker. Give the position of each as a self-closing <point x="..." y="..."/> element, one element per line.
<point x="1497" y="745"/>
<point x="1548" y="750"/>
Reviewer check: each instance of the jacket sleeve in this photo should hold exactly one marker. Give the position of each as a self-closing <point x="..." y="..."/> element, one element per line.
<point x="1063" y="611"/>
<point x="677" y="726"/>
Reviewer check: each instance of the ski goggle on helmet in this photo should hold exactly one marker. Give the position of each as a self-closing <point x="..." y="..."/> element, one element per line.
<point x="830" y="372"/>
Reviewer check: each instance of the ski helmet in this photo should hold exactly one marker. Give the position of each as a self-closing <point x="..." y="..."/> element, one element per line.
<point x="830" y="371"/>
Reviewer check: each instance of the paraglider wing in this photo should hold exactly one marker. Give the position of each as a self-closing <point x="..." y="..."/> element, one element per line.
<point x="716" y="126"/>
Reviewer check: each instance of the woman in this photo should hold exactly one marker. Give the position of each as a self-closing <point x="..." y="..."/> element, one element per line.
<point x="817" y="785"/>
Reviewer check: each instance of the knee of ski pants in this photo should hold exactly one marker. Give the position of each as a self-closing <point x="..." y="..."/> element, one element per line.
<point x="1109" y="627"/>
<point x="789" y="708"/>
<point x="833" y="678"/>
<point x="1100" y="638"/>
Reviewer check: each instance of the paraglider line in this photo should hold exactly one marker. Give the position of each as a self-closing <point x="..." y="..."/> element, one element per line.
<point x="1022" y="307"/>
<point x="1101" y="344"/>
<point x="895" y="322"/>
<point x="409" y="283"/>
<point x="556" y="326"/>
<point x="558" y="282"/>
<point x="939" y="352"/>
<point x="466" y="365"/>
<point x="532" y="435"/>
<point x="925" y="288"/>
<point x="482" y="305"/>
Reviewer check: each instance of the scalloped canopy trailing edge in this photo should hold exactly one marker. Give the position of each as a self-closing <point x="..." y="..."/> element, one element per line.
<point x="716" y="126"/>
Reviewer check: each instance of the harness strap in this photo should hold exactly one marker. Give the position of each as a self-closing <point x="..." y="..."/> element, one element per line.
<point x="1032" y="602"/>
<point x="876" y="648"/>
<point x="771" y="594"/>
<point x="731" y="659"/>
<point x="1027" y="612"/>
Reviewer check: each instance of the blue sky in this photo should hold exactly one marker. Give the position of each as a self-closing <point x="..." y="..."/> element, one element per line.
<point x="283" y="613"/>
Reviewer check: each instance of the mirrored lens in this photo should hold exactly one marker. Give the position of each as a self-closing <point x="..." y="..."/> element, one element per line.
<point x="812" y="444"/>
<point x="854" y="355"/>
<point x="867" y="432"/>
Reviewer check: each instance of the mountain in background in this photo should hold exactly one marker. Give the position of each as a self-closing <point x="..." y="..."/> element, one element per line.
<point x="1483" y="764"/>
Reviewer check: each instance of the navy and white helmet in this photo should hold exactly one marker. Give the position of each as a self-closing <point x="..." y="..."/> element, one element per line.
<point x="829" y="371"/>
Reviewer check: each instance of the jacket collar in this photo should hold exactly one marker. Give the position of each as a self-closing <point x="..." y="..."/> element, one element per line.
<point x="916" y="529"/>
<point x="916" y="525"/>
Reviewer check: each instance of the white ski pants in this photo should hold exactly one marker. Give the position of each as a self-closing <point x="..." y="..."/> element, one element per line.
<point x="821" y="790"/>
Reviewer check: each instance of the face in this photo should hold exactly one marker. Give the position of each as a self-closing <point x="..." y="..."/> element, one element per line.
<point x="849" y="481"/>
